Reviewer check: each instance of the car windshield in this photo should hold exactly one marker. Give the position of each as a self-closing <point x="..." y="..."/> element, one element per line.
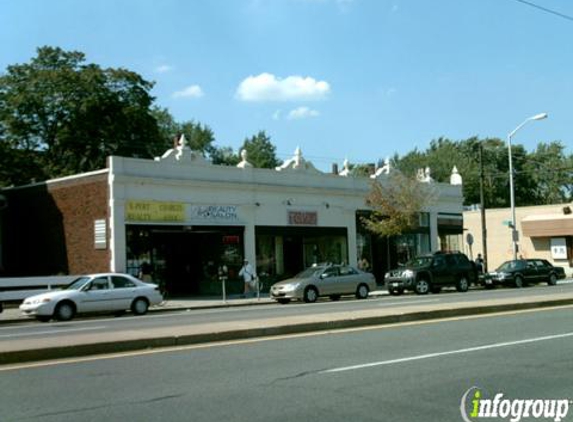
<point x="310" y="272"/>
<point x="510" y="265"/>
<point x="419" y="261"/>
<point x="77" y="284"/>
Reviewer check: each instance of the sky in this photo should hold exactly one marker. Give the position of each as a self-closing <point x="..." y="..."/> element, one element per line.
<point x="341" y="79"/>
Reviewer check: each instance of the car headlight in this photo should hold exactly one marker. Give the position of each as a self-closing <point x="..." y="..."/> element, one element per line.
<point x="387" y="275"/>
<point x="38" y="301"/>
<point x="408" y="273"/>
<point x="291" y="287"/>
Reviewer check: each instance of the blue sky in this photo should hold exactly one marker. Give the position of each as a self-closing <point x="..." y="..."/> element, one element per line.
<point x="356" y="79"/>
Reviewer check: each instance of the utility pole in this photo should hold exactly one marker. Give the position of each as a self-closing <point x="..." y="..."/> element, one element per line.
<point x="482" y="208"/>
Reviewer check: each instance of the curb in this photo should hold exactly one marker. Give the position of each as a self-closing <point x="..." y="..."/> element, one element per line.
<point x="83" y="350"/>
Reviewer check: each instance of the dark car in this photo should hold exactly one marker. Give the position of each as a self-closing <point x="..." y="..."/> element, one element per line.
<point x="432" y="272"/>
<point x="520" y="272"/>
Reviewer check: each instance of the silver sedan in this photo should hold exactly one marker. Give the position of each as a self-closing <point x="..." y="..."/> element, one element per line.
<point x="324" y="280"/>
<point x="107" y="292"/>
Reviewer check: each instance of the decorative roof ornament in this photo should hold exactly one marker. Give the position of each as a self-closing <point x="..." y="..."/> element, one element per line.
<point x="384" y="170"/>
<point x="424" y="175"/>
<point x="455" y="178"/>
<point x="181" y="153"/>
<point x="297" y="163"/>
<point x="346" y="168"/>
<point x="244" y="162"/>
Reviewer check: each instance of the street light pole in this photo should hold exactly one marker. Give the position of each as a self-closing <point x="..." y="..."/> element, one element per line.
<point x="514" y="232"/>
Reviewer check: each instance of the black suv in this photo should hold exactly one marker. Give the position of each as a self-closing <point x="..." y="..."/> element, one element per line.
<point x="432" y="272"/>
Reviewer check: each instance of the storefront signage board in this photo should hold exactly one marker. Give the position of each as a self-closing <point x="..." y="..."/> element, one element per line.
<point x="558" y="248"/>
<point x="302" y="218"/>
<point x="155" y="211"/>
<point x="215" y="213"/>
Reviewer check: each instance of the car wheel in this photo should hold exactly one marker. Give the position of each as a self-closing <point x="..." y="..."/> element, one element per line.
<point x="362" y="291"/>
<point x="140" y="306"/>
<point x="422" y="286"/>
<point x="65" y="311"/>
<point x="335" y="298"/>
<point x="283" y="301"/>
<point x="518" y="281"/>
<point x="43" y="318"/>
<point x="463" y="284"/>
<point x="310" y="294"/>
<point x="552" y="280"/>
<point x="396" y="292"/>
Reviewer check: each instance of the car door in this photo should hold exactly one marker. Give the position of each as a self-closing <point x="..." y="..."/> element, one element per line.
<point x="97" y="296"/>
<point x="348" y="279"/>
<point x="542" y="270"/>
<point x="329" y="281"/>
<point x="122" y="293"/>
<point x="530" y="272"/>
<point x="441" y="275"/>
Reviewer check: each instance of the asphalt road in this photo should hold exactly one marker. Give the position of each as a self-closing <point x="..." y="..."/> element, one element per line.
<point x="407" y="372"/>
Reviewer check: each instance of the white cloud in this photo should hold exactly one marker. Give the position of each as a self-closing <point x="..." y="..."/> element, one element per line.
<point x="164" y="68"/>
<point x="302" y="113"/>
<point x="268" y="87"/>
<point x="193" y="91"/>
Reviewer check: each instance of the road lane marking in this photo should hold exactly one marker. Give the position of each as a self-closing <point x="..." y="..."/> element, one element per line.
<point x="447" y="353"/>
<point x="56" y="331"/>
<point x="227" y="343"/>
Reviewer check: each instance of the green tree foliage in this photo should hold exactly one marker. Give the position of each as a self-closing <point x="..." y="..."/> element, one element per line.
<point x="63" y="116"/>
<point x="261" y="152"/>
<point x="540" y="177"/>
<point x="225" y="156"/>
<point x="397" y="203"/>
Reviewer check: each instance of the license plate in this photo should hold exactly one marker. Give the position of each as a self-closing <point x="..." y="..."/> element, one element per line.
<point x="395" y="284"/>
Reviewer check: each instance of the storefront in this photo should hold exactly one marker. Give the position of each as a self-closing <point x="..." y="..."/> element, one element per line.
<point x="185" y="219"/>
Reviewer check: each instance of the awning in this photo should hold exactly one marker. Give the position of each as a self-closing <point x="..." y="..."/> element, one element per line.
<point x="548" y="225"/>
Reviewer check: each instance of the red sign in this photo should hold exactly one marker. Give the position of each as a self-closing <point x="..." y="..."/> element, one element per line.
<point x="302" y="218"/>
<point x="229" y="240"/>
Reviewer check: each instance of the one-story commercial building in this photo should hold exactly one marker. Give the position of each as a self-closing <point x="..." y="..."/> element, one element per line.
<point x="545" y="232"/>
<point x="188" y="219"/>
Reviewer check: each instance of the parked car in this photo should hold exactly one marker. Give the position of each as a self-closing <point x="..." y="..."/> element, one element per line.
<point x="520" y="272"/>
<point x="324" y="280"/>
<point x="93" y="293"/>
<point x="432" y="272"/>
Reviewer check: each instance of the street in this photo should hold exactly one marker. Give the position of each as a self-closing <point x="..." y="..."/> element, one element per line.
<point x="405" y="372"/>
<point x="31" y="341"/>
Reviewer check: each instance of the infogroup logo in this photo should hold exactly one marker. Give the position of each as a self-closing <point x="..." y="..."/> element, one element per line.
<point x="475" y="407"/>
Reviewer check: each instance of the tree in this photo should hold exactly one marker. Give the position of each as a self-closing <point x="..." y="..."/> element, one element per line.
<point x="260" y="151"/>
<point x="397" y="204"/>
<point x="540" y="177"/>
<point x="67" y="116"/>
<point x="225" y="156"/>
<point x="199" y="136"/>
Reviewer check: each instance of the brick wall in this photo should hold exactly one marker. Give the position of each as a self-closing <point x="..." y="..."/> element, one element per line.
<point x="49" y="227"/>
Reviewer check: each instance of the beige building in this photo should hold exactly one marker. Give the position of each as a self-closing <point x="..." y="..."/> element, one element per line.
<point x="544" y="232"/>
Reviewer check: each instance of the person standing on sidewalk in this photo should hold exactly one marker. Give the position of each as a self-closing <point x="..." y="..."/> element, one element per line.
<point x="248" y="275"/>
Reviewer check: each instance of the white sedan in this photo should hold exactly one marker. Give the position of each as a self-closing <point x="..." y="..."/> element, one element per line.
<point x="109" y="292"/>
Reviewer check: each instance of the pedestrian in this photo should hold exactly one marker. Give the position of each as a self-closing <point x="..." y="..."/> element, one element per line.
<point x="248" y="275"/>
<point x="479" y="264"/>
<point x="145" y="272"/>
